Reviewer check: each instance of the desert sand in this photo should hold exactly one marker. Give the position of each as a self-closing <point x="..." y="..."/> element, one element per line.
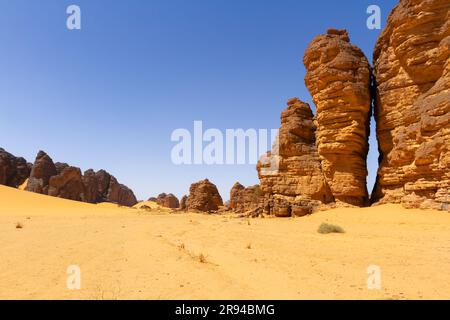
<point x="130" y="253"/>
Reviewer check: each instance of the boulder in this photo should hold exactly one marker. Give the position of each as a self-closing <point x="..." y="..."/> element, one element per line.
<point x="243" y="199"/>
<point x="43" y="169"/>
<point x="168" y="201"/>
<point x="203" y="196"/>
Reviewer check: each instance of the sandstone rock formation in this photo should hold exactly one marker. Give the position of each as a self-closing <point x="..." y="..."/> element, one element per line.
<point x="168" y="201"/>
<point x="203" y="196"/>
<point x="91" y="187"/>
<point x="13" y="170"/>
<point x="297" y="183"/>
<point x="243" y="199"/>
<point x="412" y="109"/>
<point x="183" y="205"/>
<point x="339" y="80"/>
<point x="67" y="184"/>
<point x="43" y="169"/>
<point x="64" y="181"/>
<point x="120" y="194"/>
<point x="103" y="180"/>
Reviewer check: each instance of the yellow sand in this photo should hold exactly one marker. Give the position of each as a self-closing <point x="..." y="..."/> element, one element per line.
<point x="136" y="254"/>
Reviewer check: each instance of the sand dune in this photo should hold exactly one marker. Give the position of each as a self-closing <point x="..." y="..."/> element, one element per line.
<point x="126" y="253"/>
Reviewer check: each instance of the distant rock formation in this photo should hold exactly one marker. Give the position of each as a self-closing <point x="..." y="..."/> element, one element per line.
<point x="91" y="187"/>
<point x="243" y="199"/>
<point x="183" y="201"/>
<point x="412" y="109"/>
<point x="14" y="171"/>
<point x="203" y="196"/>
<point x="120" y="194"/>
<point x="168" y="201"/>
<point x="339" y="80"/>
<point x="67" y="184"/>
<point x="43" y="169"/>
<point x="64" y="181"/>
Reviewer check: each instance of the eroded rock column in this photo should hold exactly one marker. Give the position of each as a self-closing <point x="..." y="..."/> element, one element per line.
<point x="338" y="78"/>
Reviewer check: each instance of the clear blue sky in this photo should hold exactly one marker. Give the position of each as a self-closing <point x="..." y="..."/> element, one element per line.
<point x="110" y="95"/>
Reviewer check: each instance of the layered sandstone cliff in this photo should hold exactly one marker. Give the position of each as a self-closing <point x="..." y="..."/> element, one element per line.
<point x="412" y="111"/>
<point x="295" y="182"/>
<point x="339" y="80"/>
<point x="320" y="160"/>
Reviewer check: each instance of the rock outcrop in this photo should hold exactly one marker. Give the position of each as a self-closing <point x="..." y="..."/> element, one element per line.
<point x="91" y="187"/>
<point x="412" y="109"/>
<point x="203" y="196"/>
<point x="43" y="169"/>
<point x="339" y="80"/>
<point x="183" y="201"/>
<point x="120" y="194"/>
<point x="243" y="199"/>
<point x="168" y="201"/>
<point x="13" y="170"/>
<point x="67" y="184"/>
<point x="64" y="181"/>
<point x="296" y="183"/>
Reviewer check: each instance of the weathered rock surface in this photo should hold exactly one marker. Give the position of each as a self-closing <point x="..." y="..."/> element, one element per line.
<point x="339" y="80"/>
<point x="412" y="110"/>
<point x="243" y="199"/>
<point x="203" y="196"/>
<point x="13" y="170"/>
<point x="103" y="180"/>
<point x="67" y="184"/>
<point x="43" y="169"/>
<point x="64" y="181"/>
<point x="183" y="201"/>
<point x="91" y="187"/>
<point x="120" y="194"/>
<point x="168" y="200"/>
<point x="295" y="178"/>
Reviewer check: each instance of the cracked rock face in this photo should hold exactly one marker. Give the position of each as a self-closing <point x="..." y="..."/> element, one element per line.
<point x="243" y="199"/>
<point x="298" y="180"/>
<point x="412" y="69"/>
<point x="168" y="200"/>
<point x="67" y="184"/>
<point x="339" y="80"/>
<point x="203" y="196"/>
<point x="13" y="170"/>
<point x="43" y="169"/>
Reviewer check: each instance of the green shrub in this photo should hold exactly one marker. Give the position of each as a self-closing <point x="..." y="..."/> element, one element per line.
<point x="329" y="228"/>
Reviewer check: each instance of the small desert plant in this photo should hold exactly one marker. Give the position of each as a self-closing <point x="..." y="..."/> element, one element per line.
<point x="249" y="246"/>
<point x="202" y="258"/>
<point x="19" y="225"/>
<point x="182" y="246"/>
<point x="330" y="228"/>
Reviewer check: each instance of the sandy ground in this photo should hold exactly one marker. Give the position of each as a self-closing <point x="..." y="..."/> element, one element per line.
<point x="127" y="253"/>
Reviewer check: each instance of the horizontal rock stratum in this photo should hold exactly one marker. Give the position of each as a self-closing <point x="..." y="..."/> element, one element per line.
<point x="412" y="109"/>
<point x="322" y="159"/>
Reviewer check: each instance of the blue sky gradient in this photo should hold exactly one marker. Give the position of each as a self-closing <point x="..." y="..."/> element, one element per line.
<point x="110" y="95"/>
